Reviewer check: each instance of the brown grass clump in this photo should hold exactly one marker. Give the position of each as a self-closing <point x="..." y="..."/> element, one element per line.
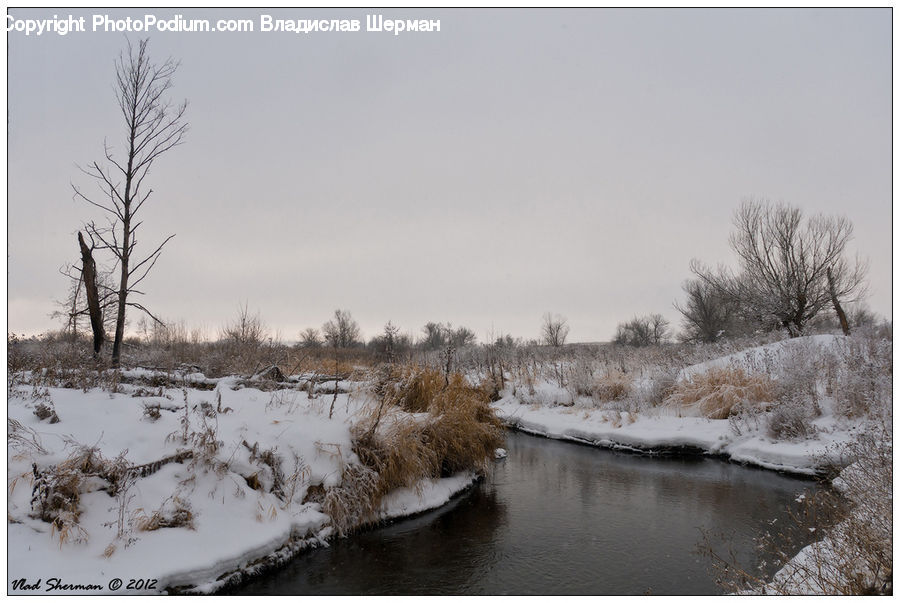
<point x="417" y="390"/>
<point x="398" y="449"/>
<point x="615" y="386"/>
<point x="461" y="432"/>
<point x="465" y="431"/>
<point x="353" y="503"/>
<point x="399" y="452"/>
<point x="720" y="392"/>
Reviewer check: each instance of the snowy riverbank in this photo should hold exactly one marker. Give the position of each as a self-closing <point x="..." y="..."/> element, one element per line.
<point x="156" y="487"/>
<point x="800" y="406"/>
<point x="798" y="435"/>
<point x="670" y="434"/>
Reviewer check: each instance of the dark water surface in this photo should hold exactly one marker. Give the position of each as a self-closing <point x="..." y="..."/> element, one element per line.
<point x="558" y="518"/>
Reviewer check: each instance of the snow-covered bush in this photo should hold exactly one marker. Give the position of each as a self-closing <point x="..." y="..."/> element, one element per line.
<point x="790" y="418"/>
<point x="862" y="385"/>
<point x="580" y="379"/>
<point x="655" y="391"/>
<point x="798" y="373"/>
<point x="798" y="390"/>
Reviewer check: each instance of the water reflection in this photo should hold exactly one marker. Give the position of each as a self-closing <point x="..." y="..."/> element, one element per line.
<point x="557" y="518"/>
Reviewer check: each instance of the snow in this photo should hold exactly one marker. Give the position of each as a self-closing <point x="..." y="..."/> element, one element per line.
<point x="765" y="358"/>
<point x="639" y="433"/>
<point x="429" y="494"/>
<point x="234" y="525"/>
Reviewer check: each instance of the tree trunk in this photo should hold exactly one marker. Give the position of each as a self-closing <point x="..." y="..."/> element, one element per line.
<point x="89" y="276"/>
<point x="123" y="295"/>
<point x="845" y="325"/>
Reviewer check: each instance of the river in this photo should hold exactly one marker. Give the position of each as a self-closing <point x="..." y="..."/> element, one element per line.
<point x="557" y="518"/>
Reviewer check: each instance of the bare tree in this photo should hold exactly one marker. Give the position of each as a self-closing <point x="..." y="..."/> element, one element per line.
<point x="659" y="328"/>
<point x="448" y="353"/>
<point x="433" y="336"/>
<point x="153" y="125"/>
<point x="554" y="330"/>
<point x="246" y="330"/>
<point x="643" y="331"/>
<point x="390" y="344"/>
<point x="462" y="336"/>
<point x="310" y="338"/>
<point x="389" y="339"/>
<point x="785" y="261"/>
<point x="635" y="332"/>
<point x="341" y="331"/>
<point x="707" y="313"/>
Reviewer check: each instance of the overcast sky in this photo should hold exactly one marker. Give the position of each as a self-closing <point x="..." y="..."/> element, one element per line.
<point x="514" y="163"/>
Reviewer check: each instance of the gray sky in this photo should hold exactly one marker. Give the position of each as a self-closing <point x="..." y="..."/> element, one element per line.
<point x="514" y="163"/>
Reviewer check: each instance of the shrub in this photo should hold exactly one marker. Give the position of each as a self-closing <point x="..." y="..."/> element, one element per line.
<point x="657" y="390"/>
<point x="790" y="419"/>
<point x="862" y="385"/>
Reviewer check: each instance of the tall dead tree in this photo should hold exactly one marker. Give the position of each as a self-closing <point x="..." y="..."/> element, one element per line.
<point x="89" y="278"/>
<point x="153" y="125"/>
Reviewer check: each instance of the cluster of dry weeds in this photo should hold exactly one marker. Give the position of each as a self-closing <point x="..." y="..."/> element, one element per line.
<point x="423" y="424"/>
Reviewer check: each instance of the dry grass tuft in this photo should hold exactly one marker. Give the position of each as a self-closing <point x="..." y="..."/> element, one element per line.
<point x="353" y="503"/>
<point x="22" y="438"/>
<point x="720" y="392"/>
<point x="398" y="452"/>
<point x="56" y="491"/>
<point x="466" y="431"/>
<point x="415" y="390"/>
<point x="614" y="386"/>
<point x="174" y="512"/>
<point x="423" y="426"/>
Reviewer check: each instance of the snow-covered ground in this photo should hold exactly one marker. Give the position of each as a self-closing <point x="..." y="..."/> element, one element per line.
<point x="249" y="492"/>
<point x="241" y="501"/>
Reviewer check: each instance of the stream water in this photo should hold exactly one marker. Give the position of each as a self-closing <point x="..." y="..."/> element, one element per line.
<point x="557" y="518"/>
